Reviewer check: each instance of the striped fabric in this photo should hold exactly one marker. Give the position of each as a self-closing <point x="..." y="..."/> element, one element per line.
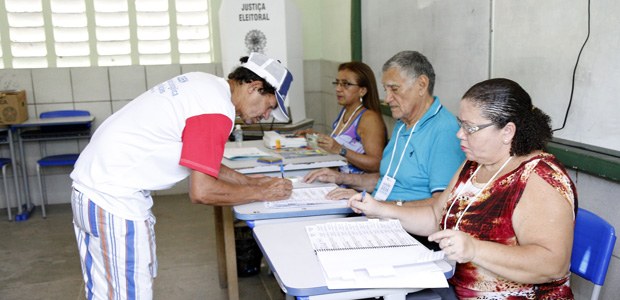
<point x="117" y="255"/>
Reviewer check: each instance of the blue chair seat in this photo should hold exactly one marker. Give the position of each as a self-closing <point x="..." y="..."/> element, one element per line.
<point x="58" y="160"/>
<point x="4" y="161"/>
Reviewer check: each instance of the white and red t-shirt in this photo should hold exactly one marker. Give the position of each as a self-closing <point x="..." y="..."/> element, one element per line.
<point x="154" y="141"/>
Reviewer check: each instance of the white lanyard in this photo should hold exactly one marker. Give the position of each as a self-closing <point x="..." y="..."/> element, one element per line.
<point x="387" y="172"/>
<point x="345" y="123"/>
<point x="474" y="198"/>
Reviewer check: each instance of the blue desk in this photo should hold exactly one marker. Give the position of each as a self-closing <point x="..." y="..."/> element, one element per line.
<point x="30" y="126"/>
<point x="297" y="269"/>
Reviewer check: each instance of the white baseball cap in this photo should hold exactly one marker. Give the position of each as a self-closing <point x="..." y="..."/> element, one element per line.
<point x="277" y="75"/>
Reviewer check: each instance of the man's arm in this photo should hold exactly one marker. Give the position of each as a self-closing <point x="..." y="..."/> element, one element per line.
<point x="355" y="181"/>
<point x="232" y="188"/>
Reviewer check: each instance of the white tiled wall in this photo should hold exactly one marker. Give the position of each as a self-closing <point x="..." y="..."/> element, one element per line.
<point x="100" y="90"/>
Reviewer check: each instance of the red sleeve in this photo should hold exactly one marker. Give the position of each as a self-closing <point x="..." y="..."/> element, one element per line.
<point x="204" y="138"/>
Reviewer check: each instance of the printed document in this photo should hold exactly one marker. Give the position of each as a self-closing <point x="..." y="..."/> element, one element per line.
<point x="374" y="254"/>
<point x="305" y="195"/>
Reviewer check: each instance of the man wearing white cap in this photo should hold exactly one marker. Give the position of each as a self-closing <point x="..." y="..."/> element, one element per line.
<point x="174" y="130"/>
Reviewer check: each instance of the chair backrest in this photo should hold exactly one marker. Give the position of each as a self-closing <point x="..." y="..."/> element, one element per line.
<point x="64" y="113"/>
<point x="593" y="246"/>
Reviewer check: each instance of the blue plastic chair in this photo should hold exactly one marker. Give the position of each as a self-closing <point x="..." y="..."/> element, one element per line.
<point x="61" y="159"/>
<point x="593" y="246"/>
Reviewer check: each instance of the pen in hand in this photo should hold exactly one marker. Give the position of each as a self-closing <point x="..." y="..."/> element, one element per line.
<point x="363" y="194"/>
<point x="282" y="170"/>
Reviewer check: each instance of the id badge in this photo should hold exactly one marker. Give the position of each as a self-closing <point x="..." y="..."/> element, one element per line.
<point x="387" y="184"/>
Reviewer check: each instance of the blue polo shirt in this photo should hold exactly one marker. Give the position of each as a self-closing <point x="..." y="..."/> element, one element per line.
<point x="431" y="158"/>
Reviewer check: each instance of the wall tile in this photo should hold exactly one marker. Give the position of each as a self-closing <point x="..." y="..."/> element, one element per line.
<point x="52" y="85"/>
<point x="90" y="84"/>
<point x="52" y="106"/>
<point x="19" y="79"/>
<point x="127" y="82"/>
<point x="101" y="110"/>
<point x="116" y="105"/>
<point x="158" y="74"/>
<point x="207" y="68"/>
<point x="312" y="76"/>
<point x="314" y="109"/>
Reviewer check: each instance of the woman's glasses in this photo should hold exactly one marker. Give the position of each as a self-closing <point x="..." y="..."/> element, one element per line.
<point x="343" y="84"/>
<point x="471" y="129"/>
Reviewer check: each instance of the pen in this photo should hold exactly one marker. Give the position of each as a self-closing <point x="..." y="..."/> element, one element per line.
<point x="363" y="194"/>
<point x="282" y="170"/>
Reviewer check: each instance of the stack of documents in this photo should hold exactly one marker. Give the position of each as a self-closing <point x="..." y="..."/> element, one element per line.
<point x="244" y="153"/>
<point x="374" y="254"/>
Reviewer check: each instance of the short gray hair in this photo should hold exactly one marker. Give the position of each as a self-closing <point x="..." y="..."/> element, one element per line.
<point x="412" y="64"/>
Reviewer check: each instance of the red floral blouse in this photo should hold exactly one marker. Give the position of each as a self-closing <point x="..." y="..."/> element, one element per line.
<point x="489" y="219"/>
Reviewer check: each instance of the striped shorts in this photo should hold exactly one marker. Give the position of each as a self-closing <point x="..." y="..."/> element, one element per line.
<point x="117" y="255"/>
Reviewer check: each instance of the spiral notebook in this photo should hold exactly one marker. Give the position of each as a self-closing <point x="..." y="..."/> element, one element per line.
<point x="374" y="253"/>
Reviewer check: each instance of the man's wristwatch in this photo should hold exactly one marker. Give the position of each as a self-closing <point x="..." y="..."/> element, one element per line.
<point x="343" y="151"/>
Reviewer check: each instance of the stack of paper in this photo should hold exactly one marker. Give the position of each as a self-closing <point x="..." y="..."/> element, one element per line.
<point x="374" y="254"/>
<point x="244" y="153"/>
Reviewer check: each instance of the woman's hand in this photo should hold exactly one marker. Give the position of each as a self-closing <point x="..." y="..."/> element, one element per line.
<point x="303" y="132"/>
<point x="367" y="205"/>
<point x="328" y="144"/>
<point x="323" y="175"/>
<point x="457" y="245"/>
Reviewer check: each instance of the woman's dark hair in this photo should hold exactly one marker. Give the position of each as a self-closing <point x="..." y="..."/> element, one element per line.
<point x="244" y="75"/>
<point x="365" y="78"/>
<point x="502" y="101"/>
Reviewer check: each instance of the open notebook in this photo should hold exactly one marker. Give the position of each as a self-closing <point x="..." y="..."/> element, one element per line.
<point x="374" y="254"/>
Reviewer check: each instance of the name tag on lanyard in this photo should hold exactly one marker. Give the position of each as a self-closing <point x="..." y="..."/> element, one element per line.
<point x="387" y="183"/>
<point x="385" y="188"/>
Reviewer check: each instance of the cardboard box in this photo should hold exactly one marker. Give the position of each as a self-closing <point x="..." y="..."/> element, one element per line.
<point x="13" y="107"/>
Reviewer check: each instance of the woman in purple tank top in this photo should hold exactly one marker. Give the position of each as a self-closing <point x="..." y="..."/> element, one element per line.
<point x="358" y="133"/>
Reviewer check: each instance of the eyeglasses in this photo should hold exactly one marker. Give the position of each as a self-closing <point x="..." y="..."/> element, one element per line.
<point x="343" y="84"/>
<point x="471" y="129"/>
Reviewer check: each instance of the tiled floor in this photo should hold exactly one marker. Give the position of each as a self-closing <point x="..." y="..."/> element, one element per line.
<point x="39" y="260"/>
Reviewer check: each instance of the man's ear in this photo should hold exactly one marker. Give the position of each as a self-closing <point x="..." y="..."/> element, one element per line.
<point x="423" y="83"/>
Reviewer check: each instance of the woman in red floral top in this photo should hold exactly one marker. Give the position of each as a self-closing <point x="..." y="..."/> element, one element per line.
<point x="508" y="217"/>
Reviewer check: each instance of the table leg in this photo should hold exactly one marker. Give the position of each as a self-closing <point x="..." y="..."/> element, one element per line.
<point x="226" y="253"/>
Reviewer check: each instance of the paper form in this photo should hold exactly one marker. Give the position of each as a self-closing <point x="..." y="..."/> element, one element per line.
<point x="367" y="254"/>
<point x="302" y="197"/>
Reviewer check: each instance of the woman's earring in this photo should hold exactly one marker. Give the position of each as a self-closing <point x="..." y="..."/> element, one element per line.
<point x="361" y="99"/>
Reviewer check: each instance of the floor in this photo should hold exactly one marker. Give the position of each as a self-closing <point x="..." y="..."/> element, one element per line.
<point x="39" y="259"/>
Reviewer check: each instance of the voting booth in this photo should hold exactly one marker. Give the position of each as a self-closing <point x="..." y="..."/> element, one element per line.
<point x="271" y="27"/>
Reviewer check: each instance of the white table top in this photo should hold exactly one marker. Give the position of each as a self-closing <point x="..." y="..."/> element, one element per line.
<point x="290" y="255"/>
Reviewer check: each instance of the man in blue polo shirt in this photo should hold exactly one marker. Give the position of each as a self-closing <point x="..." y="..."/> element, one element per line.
<point x="423" y="152"/>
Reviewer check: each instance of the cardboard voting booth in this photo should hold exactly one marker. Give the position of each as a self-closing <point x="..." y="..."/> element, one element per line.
<point x="271" y="27"/>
